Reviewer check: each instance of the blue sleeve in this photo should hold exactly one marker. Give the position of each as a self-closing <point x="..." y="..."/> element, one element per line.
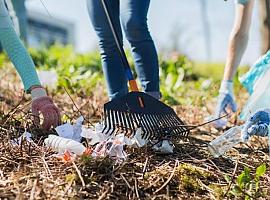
<point x="16" y="50"/>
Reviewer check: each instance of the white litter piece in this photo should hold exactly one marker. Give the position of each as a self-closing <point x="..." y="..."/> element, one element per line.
<point x="113" y="147"/>
<point x="164" y="147"/>
<point x="129" y="142"/>
<point x="100" y="150"/>
<point x="26" y="135"/>
<point x="90" y="134"/>
<point x="48" y="78"/>
<point x="65" y="130"/>
<point x="71" y="131"/>
<point x="61" y="145"/>
<point x="96" y="135"/>
<point x="77" y="129"/>
<point x="138" y="138"/>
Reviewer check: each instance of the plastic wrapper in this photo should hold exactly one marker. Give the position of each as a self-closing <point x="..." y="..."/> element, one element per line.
<point x="71" y="131"/>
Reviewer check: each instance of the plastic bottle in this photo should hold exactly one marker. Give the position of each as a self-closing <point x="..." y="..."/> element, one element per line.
<point x="61" y="145"/>
<point x="225" y="141"/>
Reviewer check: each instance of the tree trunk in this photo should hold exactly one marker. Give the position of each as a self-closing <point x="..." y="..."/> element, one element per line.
<point x="264" y="7"/>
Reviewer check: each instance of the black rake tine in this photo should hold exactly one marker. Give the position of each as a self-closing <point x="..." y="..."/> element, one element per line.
<point x="107" y="123"/>
<point x="129" y="121"/>
<point x="168" y="119"/>
<point x="114" y="122"/>
<point x="125" y="117"/>
<point x="123" y="123"/>
<point x="118" y="121"/>
<point x="110" y="123"/>
<point x="150" y="122"/>
<point x="137" y="119"/>
<point x="145" y="127"/>
<point x="133" y="123"/>
<point x="155" y="121"/>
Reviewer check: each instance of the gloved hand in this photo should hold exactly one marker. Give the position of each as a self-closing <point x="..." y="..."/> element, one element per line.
<point x="225" y="103"/>
<point x="257" y="124"/>
<point x="42" y="104"/>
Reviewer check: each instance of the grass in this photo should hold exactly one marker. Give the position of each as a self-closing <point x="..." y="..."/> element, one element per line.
<point x="29" y="171"/>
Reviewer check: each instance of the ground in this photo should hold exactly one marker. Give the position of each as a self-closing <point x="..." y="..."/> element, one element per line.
<point x="29" y="171"/>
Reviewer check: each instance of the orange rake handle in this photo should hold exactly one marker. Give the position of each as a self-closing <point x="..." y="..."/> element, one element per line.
<point x="133" y="85"/>
<point x="134" y="88"/>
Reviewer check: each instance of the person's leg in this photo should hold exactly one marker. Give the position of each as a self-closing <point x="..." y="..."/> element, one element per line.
<point x="134" y="21"/>
<point x="111" y="62"/>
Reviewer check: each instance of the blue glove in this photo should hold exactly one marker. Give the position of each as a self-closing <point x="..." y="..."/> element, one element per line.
<point x="257" y="124"/>
<point x="225" y="103"/>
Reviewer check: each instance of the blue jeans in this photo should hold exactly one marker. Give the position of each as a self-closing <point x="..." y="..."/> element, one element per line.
<point x="133" y="15"/>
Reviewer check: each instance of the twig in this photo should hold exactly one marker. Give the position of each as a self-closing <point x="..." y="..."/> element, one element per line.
<point x="46" y="167"/>
<point x="77" y="107"/>
<point x="199" y="125"/>
<point x="32" y="196"/>
<point x="129" y="186"/>
<point x="103" y="195"/>
<point x="215" y="165"/>
<point x="13" y="111"/>
<point x="68" y="187"/>
<point x="205" y="186"/>
<point x="144" y="167"/>
<point x="168" y="191"/>
<point x="169" y="179"/>
<point x="136" y="189"/>
<point x="233" y="175"/>
<point x="79" y="173"/>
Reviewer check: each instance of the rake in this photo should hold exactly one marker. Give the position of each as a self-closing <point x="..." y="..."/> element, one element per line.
<point x="137" y="109"/>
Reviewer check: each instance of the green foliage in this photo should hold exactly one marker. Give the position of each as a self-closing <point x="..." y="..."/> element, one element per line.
<point x="3" y="58"/>
<point x="180" y="80"/>
<point x="206" y="70"/>
<point x="248" y="186"/>
<point x="75" y="71"/>
<point x="190" y="178"/>
<point x="173" y="74"/>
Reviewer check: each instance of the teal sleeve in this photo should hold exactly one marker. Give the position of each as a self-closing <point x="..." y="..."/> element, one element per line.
<point x="241" y="1"/>
<point x="16" y="50"/>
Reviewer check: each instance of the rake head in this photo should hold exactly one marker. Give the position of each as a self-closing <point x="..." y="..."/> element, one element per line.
<point x="156" y="119"/>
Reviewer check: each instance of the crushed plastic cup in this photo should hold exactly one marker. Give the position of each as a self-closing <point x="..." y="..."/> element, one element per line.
<point x="226" y="141"/>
